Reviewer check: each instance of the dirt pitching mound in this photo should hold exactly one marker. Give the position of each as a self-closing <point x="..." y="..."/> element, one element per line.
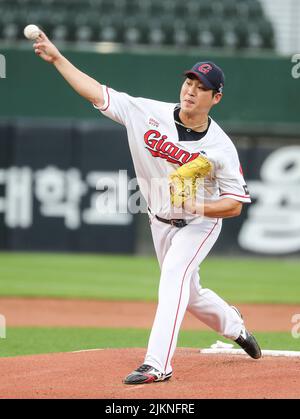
<point x="99" y="374"/>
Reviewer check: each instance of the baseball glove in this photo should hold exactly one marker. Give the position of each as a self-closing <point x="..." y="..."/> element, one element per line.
<point x="183" y="182"/>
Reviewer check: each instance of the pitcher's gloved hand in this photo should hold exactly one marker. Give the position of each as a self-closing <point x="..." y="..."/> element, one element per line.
<point x="183" y="182"/>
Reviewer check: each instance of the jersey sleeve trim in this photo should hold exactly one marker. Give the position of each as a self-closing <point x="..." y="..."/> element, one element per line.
<point x="243" y="198"/>
<point x="240" y="196"/>
<point x="106" y="97"/>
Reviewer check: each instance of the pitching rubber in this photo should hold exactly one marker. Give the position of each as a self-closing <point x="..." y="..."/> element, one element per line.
<point x="225" y="351"/>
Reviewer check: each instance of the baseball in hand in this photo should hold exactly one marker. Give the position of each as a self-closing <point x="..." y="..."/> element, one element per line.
<point x="32" y="32"/>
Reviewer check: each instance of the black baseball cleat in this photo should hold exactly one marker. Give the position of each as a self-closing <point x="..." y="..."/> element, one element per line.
<point x="247" y="341"/>
<point x="146" y="374"/>
<point x="249" y="344"/>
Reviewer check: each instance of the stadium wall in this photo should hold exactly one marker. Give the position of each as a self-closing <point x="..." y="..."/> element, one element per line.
<point x="258" y="89"/>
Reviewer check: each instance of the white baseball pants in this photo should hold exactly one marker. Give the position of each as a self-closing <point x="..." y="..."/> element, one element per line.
<point x="180" y="251"/>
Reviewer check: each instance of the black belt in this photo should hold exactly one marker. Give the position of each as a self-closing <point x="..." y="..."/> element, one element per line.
<point x="179" y="223"/>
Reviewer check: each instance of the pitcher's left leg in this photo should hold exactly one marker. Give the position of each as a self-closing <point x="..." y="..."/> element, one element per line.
<point x="212" y="310"/>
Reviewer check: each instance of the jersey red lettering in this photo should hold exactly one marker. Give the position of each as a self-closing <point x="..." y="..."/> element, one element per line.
<point x="168" y="147"/>
<point x="163" y="156"/>
<point x="148" y="138"/>
<point x="159" y="144"/>
<point x="167" y="150"/>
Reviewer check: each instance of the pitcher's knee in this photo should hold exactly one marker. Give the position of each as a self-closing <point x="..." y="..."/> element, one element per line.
<point x="174" y="273"/>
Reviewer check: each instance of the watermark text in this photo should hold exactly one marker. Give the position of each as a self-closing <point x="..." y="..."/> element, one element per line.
<point x="2" y="67"/>
<point x="296" y="328"/>
<point x="296" y="67"/>
<point x="2" y="327"/>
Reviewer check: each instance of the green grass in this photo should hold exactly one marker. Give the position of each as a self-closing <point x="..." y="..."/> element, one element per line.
<point x="136" y="278"/>
<point x="29" y="341"/>
<point x="79" y="276"/>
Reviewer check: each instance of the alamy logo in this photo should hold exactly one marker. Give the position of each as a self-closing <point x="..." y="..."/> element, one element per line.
<point x="2" y="327"/>
<point x="2" y="67"/>
<point x="296" y="328"/>
<point x="296" y="67"/>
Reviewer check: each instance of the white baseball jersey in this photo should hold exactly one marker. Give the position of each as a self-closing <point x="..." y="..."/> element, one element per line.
<point x="157" y="151"/>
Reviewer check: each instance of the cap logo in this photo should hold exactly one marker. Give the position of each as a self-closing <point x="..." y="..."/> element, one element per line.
<point x="205" y="68"/>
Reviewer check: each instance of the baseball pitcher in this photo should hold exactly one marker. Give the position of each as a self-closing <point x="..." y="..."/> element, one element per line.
<point x="203" y="183"/>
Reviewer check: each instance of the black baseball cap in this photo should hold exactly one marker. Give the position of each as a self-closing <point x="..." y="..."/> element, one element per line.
<point x="209" y="74"/>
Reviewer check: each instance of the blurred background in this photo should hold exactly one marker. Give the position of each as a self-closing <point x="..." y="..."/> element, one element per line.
<point x="54" y="146"/>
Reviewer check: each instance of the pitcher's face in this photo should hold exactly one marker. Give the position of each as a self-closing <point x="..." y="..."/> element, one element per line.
<point x="196" y="98"/>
